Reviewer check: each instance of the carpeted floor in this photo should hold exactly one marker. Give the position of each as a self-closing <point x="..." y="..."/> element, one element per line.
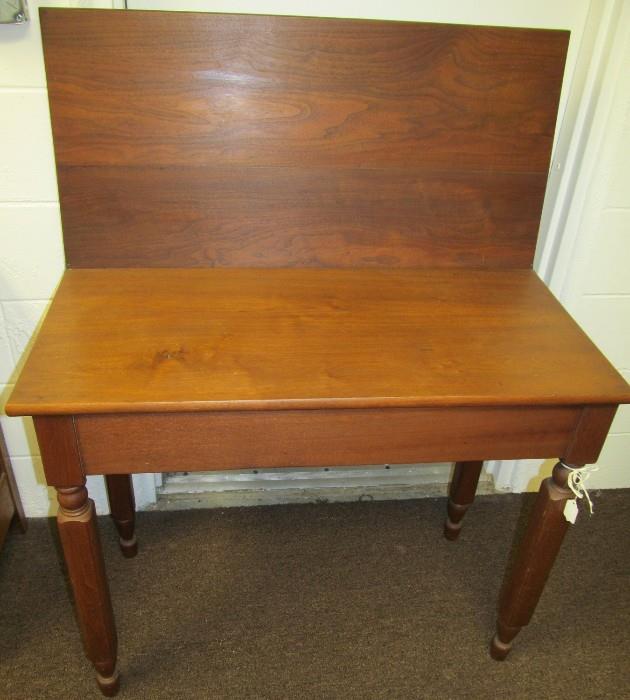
<point x="358" y="600"/>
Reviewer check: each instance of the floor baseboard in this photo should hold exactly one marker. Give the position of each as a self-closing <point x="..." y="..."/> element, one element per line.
<point x="326" y="485"/>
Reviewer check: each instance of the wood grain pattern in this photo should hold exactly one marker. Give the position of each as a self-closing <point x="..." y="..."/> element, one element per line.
<point x="537" y="553"/>
<point x="59" y="449"/>
<point x="461" y="495"/>
<point x="232" y="339"/>
<point x="341" y="140"/>
<point x="298" y="216"/>
<point x="590" y="434"/>
<point x="235" y="141"/>
<point x="239" y="439"/>
<point x="122" y="506"/>
<point x="78" y="533"/>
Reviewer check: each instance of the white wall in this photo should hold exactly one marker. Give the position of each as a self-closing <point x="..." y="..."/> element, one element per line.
<point x="592" y="274"/>
<point x="31" y="259"/>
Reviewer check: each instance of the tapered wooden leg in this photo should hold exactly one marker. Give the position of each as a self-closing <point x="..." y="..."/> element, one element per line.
<point x="82" y="549"/>
<point x="122" y="506"/>
<point x="461" y="495"/>
<point x="543" y="537"/>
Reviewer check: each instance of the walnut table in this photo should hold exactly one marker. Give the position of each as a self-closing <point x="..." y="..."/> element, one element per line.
<point x="303" y="242"/>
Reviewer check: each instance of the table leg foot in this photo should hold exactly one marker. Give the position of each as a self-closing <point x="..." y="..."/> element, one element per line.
<point x="461" y="495"/>
<point x="502" y="641"/>
<point x="537" y="553"/>
<point x="109" y="685"/>
<point x="129" y="548"/>
<point x="123" y="511"/>
<point x="78" y="533"/>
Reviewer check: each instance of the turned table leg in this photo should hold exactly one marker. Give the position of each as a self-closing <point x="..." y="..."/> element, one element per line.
<point x="82" y="550"/>
<point x="461" y="496"/>
<point x="123" y="511"/>
<point x="541" y="543"/>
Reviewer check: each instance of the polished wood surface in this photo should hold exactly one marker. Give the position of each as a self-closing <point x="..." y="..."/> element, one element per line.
<point x="339" y="218"/>
<point x="461" y="495"/>
<point x="310" y="438"/>
<point x="590" y="434"/>
<point x="187" y="139"/>
<point x="78" y="533"/>
<point x="76" y="520"/>
<point x="537" y="553"/>
<point x="254" y="146"/>
<point x="233" y="339"/>
<point x="122" y="507"/>
<point x="58" y="446"/>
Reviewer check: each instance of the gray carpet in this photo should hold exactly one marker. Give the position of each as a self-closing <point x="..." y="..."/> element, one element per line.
<point x="358" y="600"/>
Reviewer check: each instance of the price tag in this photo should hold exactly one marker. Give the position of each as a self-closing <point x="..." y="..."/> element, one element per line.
<point x="571" y="510"/>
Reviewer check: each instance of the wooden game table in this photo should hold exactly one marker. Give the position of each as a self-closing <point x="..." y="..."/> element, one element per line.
<point x="303" y="242"/>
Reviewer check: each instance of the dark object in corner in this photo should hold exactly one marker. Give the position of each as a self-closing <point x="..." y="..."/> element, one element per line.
<point x="10" y="504"/>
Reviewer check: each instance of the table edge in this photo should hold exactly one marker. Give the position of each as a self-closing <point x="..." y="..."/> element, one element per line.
<point x="16" y="408"/>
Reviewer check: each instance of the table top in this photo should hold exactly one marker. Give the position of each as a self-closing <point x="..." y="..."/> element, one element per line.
<point x="152" y="340"/>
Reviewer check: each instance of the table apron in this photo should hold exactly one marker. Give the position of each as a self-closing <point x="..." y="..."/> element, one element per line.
<point x="135" y="443"/>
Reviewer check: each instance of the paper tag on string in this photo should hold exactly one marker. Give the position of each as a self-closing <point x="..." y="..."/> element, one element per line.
<point x="571" y="510"/>
<point x="576" y="483"/>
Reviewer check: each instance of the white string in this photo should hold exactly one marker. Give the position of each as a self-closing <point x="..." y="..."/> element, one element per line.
<point x="577" y="477"/>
